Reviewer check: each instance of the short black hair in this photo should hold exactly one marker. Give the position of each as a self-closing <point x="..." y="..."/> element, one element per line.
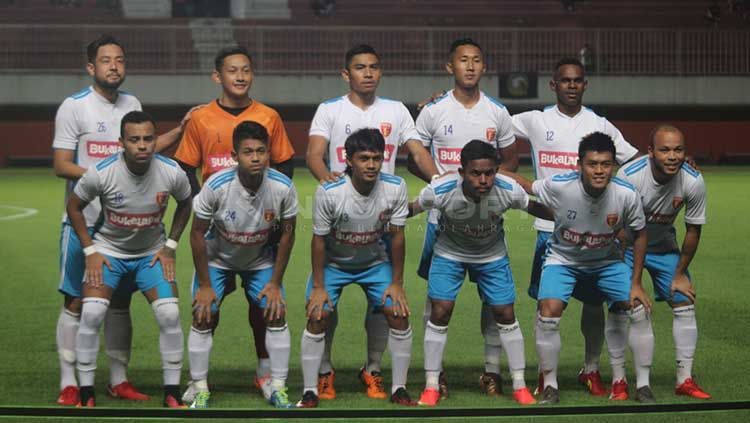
<point x="230" y="51"/>
<point x="356" y="50"/>
<point x="598" y="142"/>
<point x="463" y="42"/>
<point x="666" y="127"/>
<point x="248" y="130"/>
<point x="365" y="139"/>
<point x="477" y="150"/>
<point x="568" y="61"/>
<point x="93" y="48"/>
<point x="136" y="116"/>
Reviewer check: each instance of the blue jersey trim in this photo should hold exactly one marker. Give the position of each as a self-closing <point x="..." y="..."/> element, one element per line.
<point x="166" y="160"/>
<point x="635" y="167"/>
<point x="329" y="185"/>
<point x="279" y="177"/>
<point x="623" y="183"/>
<point x="388" y="99"/>
<point x="549" y="107"/>
<point x="437" y="100"/>
<point x="391" y="179"/>
<point x="495" y="101"/>
<point x="222" y="179"/>
<point x="566" y="177"/>
<point x="81" y="94"/>
<point x="333" y="100"/>
<point x="124" y="93"/>
<point x="503" y="184"/>
<point x="107" y="162"/>
<point x="690" y="170"/>
<point x="446" y="187"/>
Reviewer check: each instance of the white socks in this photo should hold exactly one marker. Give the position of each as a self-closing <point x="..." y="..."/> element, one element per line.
<point x="199" y="351"/>
<point x="87" y="339"/>
<point x="399" y="347"/>
<point x="512" y="339"/>
<point x="641" y="341"/>
<point x="279" y="345"/>
<point x="435" y="338"/>
<point x="311" y="353"/>
<point x="492" y="343"/>
<point x="67" y="329"/>
<point x="685" y="333"/>
<point x="592" y="329"/>
<point x="118" y="334"/>
<point x="548" y="348"/>
<point x="616" y="332"/>
<point x="171" y="340"/>
<point x="376" y="326"/>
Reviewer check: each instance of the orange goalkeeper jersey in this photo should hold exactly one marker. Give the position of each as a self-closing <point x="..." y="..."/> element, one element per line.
<point x="207" y="141"/>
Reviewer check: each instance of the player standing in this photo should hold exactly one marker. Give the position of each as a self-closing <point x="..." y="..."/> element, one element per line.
<point x="445" y="125"/>
<point x="207" y="144"/>
<point x="351" y="217"/>
<point x="667" y="184"/>
<point x="86" y="131"/>
<point x="235" y="213"/>
<point x="472" y="239"/>
<point x="334" y="121"/>
<point x="590" y="208"/>
<point x="554" y="135"/>
<point x="133" y="187"/>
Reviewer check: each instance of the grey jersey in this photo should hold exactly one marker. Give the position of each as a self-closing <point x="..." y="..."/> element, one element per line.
<point x="241" y="221"/>
<point x="133" y="206"/>
<point x="353" y="224"/>
<point x="471" y="232"/>
<point x="585" y="226"/>
<point x="662" y="203"/>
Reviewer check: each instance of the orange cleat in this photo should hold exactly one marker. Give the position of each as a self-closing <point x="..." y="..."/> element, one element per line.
<point x="171" y="401"/>
<point x="127" y="391"/>
<point x="523" y="396"/>
<point x="691" y="389"/>
<point x="374" y="384"/>
<point x="430" y="397"/>
<point x="619" y="391"/>
<point x="326" y="390"/>
<point x="593" y="381"/>
<point x="69" y="396"/>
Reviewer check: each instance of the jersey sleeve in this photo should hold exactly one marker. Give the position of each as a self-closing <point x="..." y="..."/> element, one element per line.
<point x="624" y="150"/>
<point x="634" y="217"/>
<point x="521" y="124"/>
<point x="181" y="186"/>
<point x="695" y="202"/>
<point x="519" y="198"/>
<point x="544" y="191"/>
<point x="322" y="123"/>
<point x="322" y="213"/>
<point x="400" y="206"/>
<point x="189" y="150"/>
<point x="425" y="126"/>
<point x="407" y="129"/>
<point x="505" y="136"/>
<point x="66" y="127"/>
<point x="427" y="199"/>
<point x="87" y="188"/>
<point x="205" y="203"/>
<point x="289" y="206"/>
<point x="278" y="141"/>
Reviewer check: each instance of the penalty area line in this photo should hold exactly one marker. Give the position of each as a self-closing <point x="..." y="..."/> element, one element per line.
<point x="17" y="212"/>
<point x="161" y="413"/>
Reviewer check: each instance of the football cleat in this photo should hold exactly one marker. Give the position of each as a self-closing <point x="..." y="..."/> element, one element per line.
<point x="401" y="397"/>
<point x="69" y="396"/>
<point x="691" y="389"/>
<point x="326" y="390"/>
<point x="280" y="399"/>
<point x="126" y="390"/>
<point x="430" y="397"/>
<point x="258" y="381"/>
<point x="374" y="384"/>
<point x="592" y="381"/>
<point x="523" y="396"/>
<point x="309" y="400"/>
<point x="550" y="395"/>
<point x="443" y="385"/>
<point x="86" y="398"/>
<point x="200" y="399"/>
<point x="619" y="391"/>
<point x="644" y="395"/>
<point x="490" y="384"/>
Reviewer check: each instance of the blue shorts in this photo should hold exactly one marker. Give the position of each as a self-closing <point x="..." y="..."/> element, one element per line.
<point x="611" y="282"/>
<point x="138" y="270"/>
<point x="661" y="267"/>
<point x="222" y="282"/>
<point x="73" y="265"/>
<point x="373" y="280"/>
<point x="494" y="280"/>
<point x="540" y="253"/>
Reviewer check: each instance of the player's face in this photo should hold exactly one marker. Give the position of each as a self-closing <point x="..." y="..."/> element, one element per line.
<point x="467" y="66"/>
<point x="596" y="169"/>
<point x="363" y="74"/>
<point x="108" y="68"/>
<point x="668" y="152"/>
<point x="569" y="85"/>
<point x="138" y="142"/>
<point x="479" y="176"/>
<point x="252" y="157"/>
<point x="235" y="76"/>
<point x="366" y="165"/>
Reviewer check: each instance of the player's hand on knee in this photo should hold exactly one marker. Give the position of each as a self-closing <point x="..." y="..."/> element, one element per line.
<point x="681" y="283"/>
<point x="94" y="265"/>
<point x="318" y="300"/>
<point x="275" y="303"/>
<point x="204" y="300"/>
<point x="165" y="256"/>
<point x="639" y="296"/>
<point x="397" y="295"/>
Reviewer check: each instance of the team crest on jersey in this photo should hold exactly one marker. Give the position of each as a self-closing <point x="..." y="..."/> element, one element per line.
<point x="162" y="198"/>
<point x="676" y="202"/>
<point x="490" y="133"/>
<point x="118" y="198"/>
<point x="385" y="215"/>
<point x="385" y="129"/>
<point x="268" y="215"/>
<point x="612" y="219"/>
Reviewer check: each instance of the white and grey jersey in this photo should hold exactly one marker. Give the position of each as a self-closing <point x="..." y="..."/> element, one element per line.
<point x="241" y="221"/>
<point x="467" y="231"/>
<point x="585" y="226"/>
<point x="662" y="203"/>
<point x="353" y="224"/>
<point x="89" y="125"/>
<point x="133" y="206"/>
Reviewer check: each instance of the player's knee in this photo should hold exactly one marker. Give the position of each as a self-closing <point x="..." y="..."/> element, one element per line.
<point x="396" y="322"/>
<point x="72" y="304"/>
<point x="167" y="312"/>
<point x="504" y="314"/>
<point x="317" y="326"/>
<point x="551" y="308"/>
<point x="620" y="306"/>
<point x="441" y="312"/>
<point x="93" y="311"/>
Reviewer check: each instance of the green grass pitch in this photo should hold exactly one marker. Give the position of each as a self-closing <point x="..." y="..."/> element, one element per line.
<point x="30" y="305"/>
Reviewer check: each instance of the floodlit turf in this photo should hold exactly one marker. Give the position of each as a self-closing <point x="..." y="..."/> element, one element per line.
<point x="30" y="306"/>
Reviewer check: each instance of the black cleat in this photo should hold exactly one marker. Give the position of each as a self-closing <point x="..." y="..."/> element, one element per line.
<point x="309" y="400"/>
<point x="401" y="397"/>
<point x="550" y="395"/>
<point x="645" y="395"/>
